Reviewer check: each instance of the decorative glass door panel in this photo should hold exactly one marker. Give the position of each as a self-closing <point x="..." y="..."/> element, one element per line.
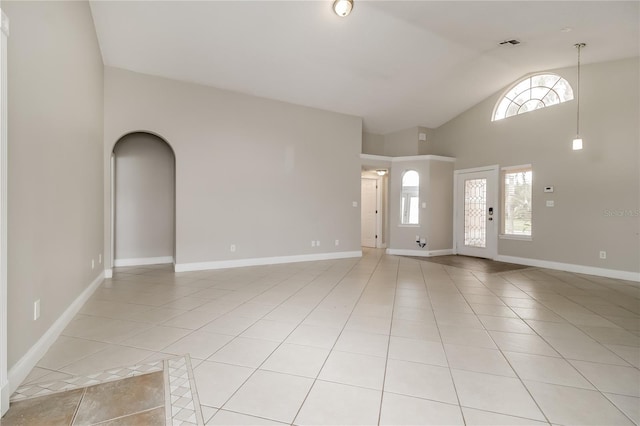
<point x="476" y="207"/>
<point x="475" y="213"/>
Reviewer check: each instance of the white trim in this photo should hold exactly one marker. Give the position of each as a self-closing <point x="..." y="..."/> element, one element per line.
<point x="421" y="253"/>
<point x="112" y="218"/>
<point x="521" y="167"/>
<point x="569" y="267"/>
<point x="422" y="157"/>
<point x="258" y="261"/>
<point x="108" y="273"/>
<point x="494" y="170"/>
<point x="4" y="23"/>
<point x="375" y="157"/>
<point x="21" y="369"/>
<point x="4" y="375"/>
<point x="477" y="169"/>
<point x="406" y="158"/>
<point x="143" y="261"/>
<point x="515" y="237"/>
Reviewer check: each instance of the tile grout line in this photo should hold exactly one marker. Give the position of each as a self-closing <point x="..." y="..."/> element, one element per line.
<point x="386" y="359"/>
<point x="378" y="262"/>
<point x="168" y="409"/>
<point x="455" y="388"/>
<point x="567" y="360"/>
<point x="75" y="413"/>
<point x="283" y="341"/>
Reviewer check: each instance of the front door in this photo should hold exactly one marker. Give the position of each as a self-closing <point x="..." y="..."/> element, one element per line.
<point x="476" y="215"/>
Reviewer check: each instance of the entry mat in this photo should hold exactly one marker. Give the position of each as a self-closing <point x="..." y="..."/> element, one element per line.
<point x="472" y="263"/>
<point x="158" y="393"/>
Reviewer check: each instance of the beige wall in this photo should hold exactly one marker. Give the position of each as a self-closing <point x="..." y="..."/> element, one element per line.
<point x="602" y="178"/>
<point x="398" y="144"/>
<point x="435" y="223"/>
<point x="401" y="143"/>
<point x="55" y="216"/>
<point x="372" y="144"/>
<point x="144" y="198"/>
<point x="264" y="175"/>
<point x="440" y="205"/>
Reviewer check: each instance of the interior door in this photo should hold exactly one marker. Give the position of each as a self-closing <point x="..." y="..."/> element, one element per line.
<point x="369" y="205"/>
<point x="476" y="212"/>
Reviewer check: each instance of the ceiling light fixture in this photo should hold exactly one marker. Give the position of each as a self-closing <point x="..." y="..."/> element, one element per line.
<point x="577" y="141"/>
<point x="381" y="172"/>
<point x="342" y="8"/>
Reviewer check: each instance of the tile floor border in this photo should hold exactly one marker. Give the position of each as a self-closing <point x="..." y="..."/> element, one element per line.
<point x="182" y="405"/>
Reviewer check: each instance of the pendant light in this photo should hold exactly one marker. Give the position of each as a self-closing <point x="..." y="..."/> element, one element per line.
<point x="342" y="8"/>
<point x="577" y="142"/>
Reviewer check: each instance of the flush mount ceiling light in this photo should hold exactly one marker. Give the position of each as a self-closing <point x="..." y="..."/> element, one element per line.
<point x="381" y="172"/>
<point x="577" y="141"/>
<point x="342" y="8"/>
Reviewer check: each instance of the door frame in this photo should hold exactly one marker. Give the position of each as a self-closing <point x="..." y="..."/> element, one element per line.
<point x="492" y="234"/>
<point x="4" y="373"/>
<point x="379" y="224"/>
<point x="378" y="232"/>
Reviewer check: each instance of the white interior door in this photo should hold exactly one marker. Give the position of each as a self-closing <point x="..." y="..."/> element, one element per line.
<point x="369" y="205"/>
<point x="476" y="212"/>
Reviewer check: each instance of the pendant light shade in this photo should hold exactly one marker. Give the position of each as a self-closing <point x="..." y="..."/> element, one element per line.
<point x="577" y="141"/>
<point x="342" y="7"/>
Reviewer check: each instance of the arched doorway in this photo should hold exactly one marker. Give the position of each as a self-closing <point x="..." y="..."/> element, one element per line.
<point x="143" y="200"/>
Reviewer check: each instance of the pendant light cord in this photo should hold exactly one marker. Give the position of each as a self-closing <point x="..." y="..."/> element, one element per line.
<point x="579" y="46"/>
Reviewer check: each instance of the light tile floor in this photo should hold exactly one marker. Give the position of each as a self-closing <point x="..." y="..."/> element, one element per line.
<point x="376" y="340"/>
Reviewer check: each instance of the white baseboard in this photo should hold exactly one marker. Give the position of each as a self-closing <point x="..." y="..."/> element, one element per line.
<point x="579" y="269"/>
<point x="237" y="263"/>
<point x="143" y="261"/>
<point x="420" y="253"/>
<point x="108" y="273"/>
<point x="23" y="367"/>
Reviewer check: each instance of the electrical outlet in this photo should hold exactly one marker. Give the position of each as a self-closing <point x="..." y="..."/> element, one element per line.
<point x="318" y="243"/>
<point x="100" y="258"/>
<point x="232" y="248"/>
<point x="93" y="263"/>
<point x="337" y="243"/>
<point x="36" y="309"/>
<point x="603" y="255"/>
<point x="313" y="243"/>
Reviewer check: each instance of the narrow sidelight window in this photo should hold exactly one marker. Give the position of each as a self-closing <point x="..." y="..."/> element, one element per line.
<point x="409" y="212"/>
<point x="516" y="212"/>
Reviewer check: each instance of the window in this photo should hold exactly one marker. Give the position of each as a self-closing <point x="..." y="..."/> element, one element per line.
<point x="410" y="198"/>
<point x="516" y="212"/>
<point x="534" y="92"/>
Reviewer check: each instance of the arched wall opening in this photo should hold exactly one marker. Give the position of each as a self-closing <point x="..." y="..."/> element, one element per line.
<point x="143" y="200"/>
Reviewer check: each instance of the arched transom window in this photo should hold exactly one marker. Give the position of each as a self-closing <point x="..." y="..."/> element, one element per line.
<point x="534" y="92"/>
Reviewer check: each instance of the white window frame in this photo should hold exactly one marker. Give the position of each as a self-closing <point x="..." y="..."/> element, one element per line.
<point x="405" y="199"/>
<point x="494" y="118"/>
<point x="511" y="169"/>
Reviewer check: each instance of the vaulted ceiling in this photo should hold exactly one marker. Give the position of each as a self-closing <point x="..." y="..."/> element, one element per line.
<point x="396" y="64"/>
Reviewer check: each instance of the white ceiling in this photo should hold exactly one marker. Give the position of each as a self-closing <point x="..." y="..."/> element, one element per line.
<point x="396" y="64"/>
